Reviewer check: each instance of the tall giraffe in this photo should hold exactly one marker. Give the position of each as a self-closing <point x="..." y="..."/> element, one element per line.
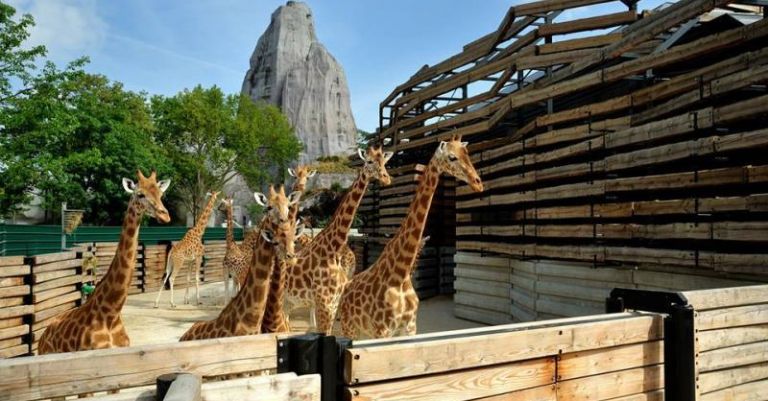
<point x="316" y="281"/>
<point x="275" y="320"/>
<point x="98" y="323"/>
<point x="236" y="257"/>
<point x="188" y="253"/>
<point x="244" y="313"/>
<point x="381" y="301"/>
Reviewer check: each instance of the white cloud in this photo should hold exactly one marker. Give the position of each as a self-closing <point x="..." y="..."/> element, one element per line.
<point x="68" y="28"/>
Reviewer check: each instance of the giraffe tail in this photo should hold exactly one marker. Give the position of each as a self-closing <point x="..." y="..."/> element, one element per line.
<point x="168" y="267"/>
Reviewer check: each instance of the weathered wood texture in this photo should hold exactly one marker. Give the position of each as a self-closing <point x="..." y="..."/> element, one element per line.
<point x="641" y="145"/>
<point x="731" y="332"/>
<point x="598" y="357"/>
<point x="42" y="377"/>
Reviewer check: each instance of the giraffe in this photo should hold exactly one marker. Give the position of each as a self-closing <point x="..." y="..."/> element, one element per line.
<point x="380" y="302"/>
<point x="274" y="320"/>
<point x="236" y="257"/>
<point x="244" y="313"/>
<point x="314" y="281"/>
<point x="188" y="252"/>
<point x="98" y="323"/>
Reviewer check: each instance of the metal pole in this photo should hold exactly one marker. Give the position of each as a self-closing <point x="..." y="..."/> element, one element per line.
<point x="63" y="222"/>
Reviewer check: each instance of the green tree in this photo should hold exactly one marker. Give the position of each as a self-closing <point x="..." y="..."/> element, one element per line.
<point x="17" y="65"/>
<point x="72" y="138"/>
<point x="211" y="137"/>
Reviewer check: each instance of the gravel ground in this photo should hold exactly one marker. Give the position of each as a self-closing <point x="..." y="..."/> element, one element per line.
<point x="147" y="325"/>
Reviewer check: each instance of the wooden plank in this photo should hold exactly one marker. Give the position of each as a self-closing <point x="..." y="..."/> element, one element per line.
<point x="11" y="260"/>
<point x="14" y="291"/>
<point x="754" y="391"/>
<point x="462" y="385"/>
<point x="732" y="317"/>
<point x="58" y="300"/>
<point x="15" y="331"/>
<point x="10" y="271"/>
<point x="543" y="393"/>
<point x="612" y="385"/>
<point x="727" y="297"/>
<point x="52" y="257"/>
<point x="43" y="277"/>
<point x="731" y="336"/>
<point x="284" y="386"/>
<point x="590" y="23"/>
<point x="579" y="43"/>
<point x="403" y="360"/>
<point x="101" y="370"/>
<point x="14" y="351"/>
<point x="60" y="265"/>
<point x="60" y="282"/>
<point x="740" y="355"/>
<point x="605" y="360"/>
<point x="15" y="311"/>
<point x="718" y="380"/>
<point x="41" y="315"/>
<point x="480" y="315"/>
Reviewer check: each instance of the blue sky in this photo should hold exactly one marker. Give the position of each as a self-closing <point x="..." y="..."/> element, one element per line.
<point x="164" y="46"/>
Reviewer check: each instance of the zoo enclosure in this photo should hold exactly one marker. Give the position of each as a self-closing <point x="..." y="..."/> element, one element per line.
<point x="698" y="345"/>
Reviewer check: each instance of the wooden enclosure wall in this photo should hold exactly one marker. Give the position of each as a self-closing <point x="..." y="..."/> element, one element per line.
<point x="592" y="358"/>
<point x="731" y="338"/>
<point x="639" y="143"/>
<point x="54" y="375"/>
<point x="503" y="289"/>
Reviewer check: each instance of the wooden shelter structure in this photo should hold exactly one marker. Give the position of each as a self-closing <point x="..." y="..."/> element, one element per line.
<point x="625" y="140"/>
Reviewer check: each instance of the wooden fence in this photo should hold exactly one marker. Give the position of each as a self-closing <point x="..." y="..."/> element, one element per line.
<point x="641" y="143"/>
<point x="132" y="369"/>
<point x="503" y="289"/>
<point x="35" y="290"/>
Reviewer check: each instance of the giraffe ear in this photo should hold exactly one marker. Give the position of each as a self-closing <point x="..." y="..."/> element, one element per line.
<point x="311" y="173"/>
<point x="361" y="153"/>
<point x="387" y="156"/>
<point x="291" y="172"/>
<point x="294" y="197"/>
<point x="261" y="199"/>
<point x="163" y="185"/>
<point x="128" y="185"/>
<point x="464" y="144"/>
<point x="442" y="146"/>
<point x="267" y="235"/>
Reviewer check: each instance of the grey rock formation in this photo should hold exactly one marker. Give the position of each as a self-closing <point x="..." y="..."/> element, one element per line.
<point x="292" y="70"/>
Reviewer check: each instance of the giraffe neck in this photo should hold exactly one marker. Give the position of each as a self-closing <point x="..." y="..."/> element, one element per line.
<point x="202" y="221"/>
<point x="405" y="244"/>
<point x="294" y="212"/>
<point x="247" y="307"/>
<point x="230" y="228"/>
<point x="274" y="315"/>
<point x="345" y="213"/>
<point x="112" y="290"/>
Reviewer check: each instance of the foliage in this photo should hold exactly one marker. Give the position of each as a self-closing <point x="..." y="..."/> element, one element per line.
<point x="362" y="139"/>
<point x="72" y="138"/>
<point x="16" y="64"/>
<point x="331" y="167"/>
<point x="211" y="137"/>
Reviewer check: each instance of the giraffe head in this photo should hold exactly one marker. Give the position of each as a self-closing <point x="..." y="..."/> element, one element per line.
<point x="375" y="160"/>
<point x="227" y="203"/>
<point x="278" y="228"/>
<point x="453" y="158"/>
<point x="302" y="174"/>
<point x="147" y="195"/>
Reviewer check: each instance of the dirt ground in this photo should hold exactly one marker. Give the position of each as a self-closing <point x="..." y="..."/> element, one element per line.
<point x="147" y="325"/>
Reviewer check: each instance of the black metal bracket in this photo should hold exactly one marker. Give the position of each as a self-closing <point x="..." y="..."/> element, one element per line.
<point x="679" y="335"/>
<point x="315" y="353"/>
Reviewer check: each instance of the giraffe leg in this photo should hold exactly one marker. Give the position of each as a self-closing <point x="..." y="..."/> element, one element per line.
<point x="410" y="326"/>
<point x="169" y="263"/>
<point x="186" y="290"/>
<point x="324" y="316"/>
<point x="198" y="264"/>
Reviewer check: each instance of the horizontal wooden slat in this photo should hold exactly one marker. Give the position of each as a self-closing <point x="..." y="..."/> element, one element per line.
<point x="727" y="297"/>
<point x="740" y="355"/>
<point x="383" y="362"/>
<point x="612" y="385"/>
<point x="461" y="385"/>
<point x="732" y="317"/>
<point x="73" y="373"/>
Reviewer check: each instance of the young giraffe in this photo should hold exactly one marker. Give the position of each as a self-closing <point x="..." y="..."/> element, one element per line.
<point x="244" y="313"/>
<point x="275" y="320"/>
<point x="98" y="324"/>
<point x="188" y="253"/>
<point x="314" y="281"/>
<point x="236" y="257"/>
<point x="380" y="301"/>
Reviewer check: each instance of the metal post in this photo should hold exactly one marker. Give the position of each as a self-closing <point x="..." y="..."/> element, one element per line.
<point x="63" y="222"/>
<point x="315" y="353"/>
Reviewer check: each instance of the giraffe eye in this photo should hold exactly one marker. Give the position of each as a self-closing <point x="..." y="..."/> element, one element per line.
<point x="452" y="158"/>
<point x="141" y="195"/>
